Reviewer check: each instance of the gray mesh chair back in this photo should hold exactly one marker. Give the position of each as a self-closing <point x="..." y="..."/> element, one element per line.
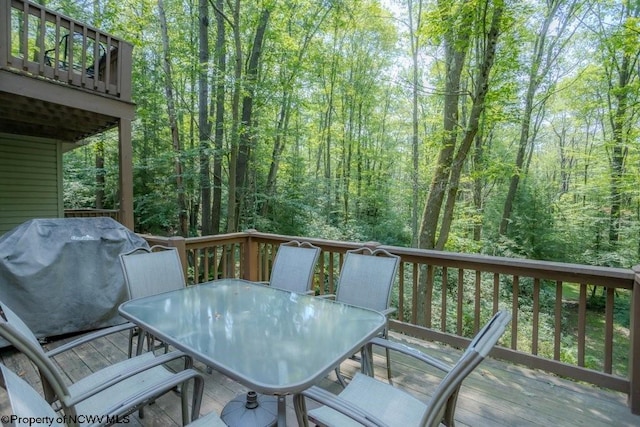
<point x="366" y="278"/>
<point x="26" y="403"/>
<point x="293" y="266"/>
<point x="152" y="271"/>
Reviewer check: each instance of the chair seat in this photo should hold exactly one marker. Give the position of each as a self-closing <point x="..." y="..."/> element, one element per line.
<point x="145" y="380"/>
<point x="389" y="404"/>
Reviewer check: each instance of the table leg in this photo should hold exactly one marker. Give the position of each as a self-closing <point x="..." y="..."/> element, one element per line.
<point x="282" y="411"/>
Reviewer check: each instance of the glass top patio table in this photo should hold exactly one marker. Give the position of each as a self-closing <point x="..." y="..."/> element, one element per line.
<point x="272" y="341"/>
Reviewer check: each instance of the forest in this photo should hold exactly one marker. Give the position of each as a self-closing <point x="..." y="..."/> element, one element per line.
<point x="503" y="127"/>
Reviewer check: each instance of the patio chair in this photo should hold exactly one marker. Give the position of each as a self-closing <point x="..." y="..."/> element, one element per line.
<point x="116" y="390"/>
<point x="27" y="405"/>
<point x="150" y="272"/>
<point x="293" y="267"/>
<point x="366" y="279"/>
<point x="371" y="402"/>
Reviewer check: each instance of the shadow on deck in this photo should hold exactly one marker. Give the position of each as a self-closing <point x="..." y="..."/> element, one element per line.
<point x="496" y="394"/>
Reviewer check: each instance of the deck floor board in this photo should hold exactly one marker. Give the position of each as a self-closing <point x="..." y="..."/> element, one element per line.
<point x="496" y="394"/>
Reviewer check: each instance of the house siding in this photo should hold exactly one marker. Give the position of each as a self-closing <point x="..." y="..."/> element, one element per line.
<point x="30" y="180"/>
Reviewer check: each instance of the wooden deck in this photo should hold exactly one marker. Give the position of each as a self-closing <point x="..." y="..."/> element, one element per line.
<point x="496" y="394"/>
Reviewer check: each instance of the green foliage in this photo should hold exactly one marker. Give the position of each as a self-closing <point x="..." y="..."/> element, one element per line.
<point x="333" y="88"/>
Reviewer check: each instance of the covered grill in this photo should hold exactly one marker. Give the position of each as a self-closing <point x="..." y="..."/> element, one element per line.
<point x="63" y="275"/>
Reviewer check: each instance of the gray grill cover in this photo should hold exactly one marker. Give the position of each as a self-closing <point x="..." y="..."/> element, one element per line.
<point x="64" y="275"/>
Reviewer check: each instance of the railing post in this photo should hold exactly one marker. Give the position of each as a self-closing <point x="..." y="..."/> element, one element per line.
<point x="634" y="346"/>
<point x="124" y="67"/>
<point x="180" y="243"/>
<point x="5" y="32"/>
<point x="250" y="265"/>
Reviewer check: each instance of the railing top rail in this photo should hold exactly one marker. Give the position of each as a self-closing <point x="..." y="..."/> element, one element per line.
<point x="557" y="271"/>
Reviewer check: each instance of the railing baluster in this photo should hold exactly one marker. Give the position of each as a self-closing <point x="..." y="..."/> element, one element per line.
<point x="5" y="34"/>
<point x="536" y="316"/>
<point x="558" y="321"/>
<point x="40" y="41"/>
<point x="56" y="52"/>
<point x="514" y="312"/>
<point x="216" y="261"/>
<point x="608" y="331"/>
<point x="443" y="300"/>
<point x="196" y="265"/>
<point x="414" y="294"/>
<point x="582" y="323"/>
<point x="206" y="264"/>
<point x="330" y="279"/>
<point x="83" y="58"/>
<point x="460" y="315"/>
<point x="496" y="292"/>
<point x="428" y="296"/>
<point x="400" y="312"/>
<point x="478" y="296"/>
<point x="25" y="37"/>
<point x="96" y="60"/>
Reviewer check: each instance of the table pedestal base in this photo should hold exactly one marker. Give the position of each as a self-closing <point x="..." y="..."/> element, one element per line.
<point x="251" y="410"/>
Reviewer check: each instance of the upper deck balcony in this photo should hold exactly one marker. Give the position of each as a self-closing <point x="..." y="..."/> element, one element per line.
<point x="60" y="78"/>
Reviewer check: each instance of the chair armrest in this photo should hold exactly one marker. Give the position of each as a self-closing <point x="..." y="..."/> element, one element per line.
<point x="346" y="408"/>
<point x="89" y="337"/>
<point x="409" y="351"/>
<point x="388" y="311"/>
<point x="135" y="368"/>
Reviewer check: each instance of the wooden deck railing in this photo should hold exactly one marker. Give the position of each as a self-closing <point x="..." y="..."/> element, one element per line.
<point x="445" y="297"/>
<point x="92" y="213"/>
<point x="39" y="42"/>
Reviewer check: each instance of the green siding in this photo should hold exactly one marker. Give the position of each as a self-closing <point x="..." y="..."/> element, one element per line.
<point x="30" y="180"/>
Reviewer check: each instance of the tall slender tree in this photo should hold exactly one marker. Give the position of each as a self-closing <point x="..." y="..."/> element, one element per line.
<point x="173" y="121"/>
<point x="547" y="49"/>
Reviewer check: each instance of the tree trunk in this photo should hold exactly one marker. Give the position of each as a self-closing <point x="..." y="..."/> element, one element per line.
<point x="246" y="137"/>
<point x="173" y="122"/>
<point x="232" y="207"/>
<point x="456" y="46"/>
<point x="482" y="86"/>
<point x="284" y="115"/>
<point x="618" y="150"/>
<point x="278" y="147"/>
<point x="414" y="35"/>
<point x="221" y="54"/>
<point x="204" y="129"/>
<point x="537" y="73"/>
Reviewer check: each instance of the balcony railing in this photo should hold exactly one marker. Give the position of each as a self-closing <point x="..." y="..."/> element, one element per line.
<point x="92" y="213"/>
<point x="42" y="43"/>
<point x="445" y="297"/>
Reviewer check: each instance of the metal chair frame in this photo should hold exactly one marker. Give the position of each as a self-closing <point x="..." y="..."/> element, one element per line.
<point x="366" y="278"/>
<point x="371" y="402"/>
<point x="116" y="390"/>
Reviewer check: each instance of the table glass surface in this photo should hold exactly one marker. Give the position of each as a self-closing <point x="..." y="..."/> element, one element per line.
<point x="271" y="340"/>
